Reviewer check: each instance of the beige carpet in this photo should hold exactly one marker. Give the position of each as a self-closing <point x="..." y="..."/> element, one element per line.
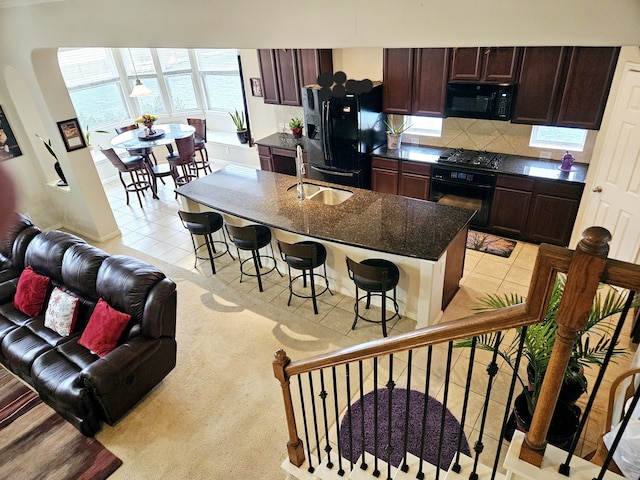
<point x="219" y="414"/>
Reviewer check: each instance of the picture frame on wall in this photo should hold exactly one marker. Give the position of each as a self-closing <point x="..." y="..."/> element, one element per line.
<point x="71" y="134"/>
<point x="256" y="87"/>
<point x="9" y="147"/>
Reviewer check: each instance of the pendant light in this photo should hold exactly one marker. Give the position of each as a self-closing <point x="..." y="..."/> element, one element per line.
<point x="139" y="89"/>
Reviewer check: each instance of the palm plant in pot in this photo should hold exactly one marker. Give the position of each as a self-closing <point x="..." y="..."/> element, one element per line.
<point x="590" y="349"/>
<point x="394" y="132"/>
<point x="241" y="128"/>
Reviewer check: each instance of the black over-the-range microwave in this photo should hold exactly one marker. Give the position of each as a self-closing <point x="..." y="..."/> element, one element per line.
<point x="491" y="101"/>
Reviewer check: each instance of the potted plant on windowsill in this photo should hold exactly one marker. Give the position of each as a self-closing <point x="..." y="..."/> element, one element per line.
<point x="394" y="133"/>
<point x="241" y="128"/>
<point x="589" y="349"/>
<point x="295" y="124"/>
<point x="87" y="135"/>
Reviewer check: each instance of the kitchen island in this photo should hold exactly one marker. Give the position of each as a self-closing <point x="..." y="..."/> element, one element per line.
<point x="426" y="240"/>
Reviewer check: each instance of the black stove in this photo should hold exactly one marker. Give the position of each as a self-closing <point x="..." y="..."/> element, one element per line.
<point x="471" y="158"/>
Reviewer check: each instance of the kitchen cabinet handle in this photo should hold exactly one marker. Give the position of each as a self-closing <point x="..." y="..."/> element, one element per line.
<point x="597" y="189"/>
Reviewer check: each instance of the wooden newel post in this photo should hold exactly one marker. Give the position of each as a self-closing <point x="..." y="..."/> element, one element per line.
<point x="586" y="267"/>
<point x="294" y="445"/>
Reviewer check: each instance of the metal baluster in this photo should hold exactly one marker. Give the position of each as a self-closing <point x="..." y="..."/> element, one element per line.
<point x="425" y="409"/>
<point x="507" y="409"/>
<point x="376" y="471"/>
<point x="565" y="468"/>
<point x="456" y="464"/>
<point x="390" y="386"/>
<point x="304" y="422"/>
<point x="404" y="466"/>
<point x="337" y="414"/>
<point x="616" y="440"/>
<point x="350" y="422"/>
<point x="444" y="408"/>
<point x="315" y="418"/>
<point x="323" y="396"/>
<point x="492" y="370"/>
<point x="363" y="465"/>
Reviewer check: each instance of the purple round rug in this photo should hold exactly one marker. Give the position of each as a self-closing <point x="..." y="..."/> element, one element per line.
<point x="351" y="449"/>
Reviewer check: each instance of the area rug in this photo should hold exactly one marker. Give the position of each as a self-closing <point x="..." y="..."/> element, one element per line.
<point x="351" y="450"/>
<point x="37" y="443"/>
<point x="485" y="242"/>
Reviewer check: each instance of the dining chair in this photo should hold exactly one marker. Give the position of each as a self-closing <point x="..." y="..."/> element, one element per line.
<point x="182" y="162"/>
<point x="145" y="152"/>
<point x="200" y="139"/>
<point x="135" y="166"/>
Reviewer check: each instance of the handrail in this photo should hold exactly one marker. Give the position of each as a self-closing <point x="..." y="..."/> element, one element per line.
<point x="586" y="267"/>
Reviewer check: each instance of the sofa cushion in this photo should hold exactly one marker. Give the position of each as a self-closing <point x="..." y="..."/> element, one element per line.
<point x="80" y="265"/>
<point x="31" y="292"/>
<point x="104" y="329"/>
<point x="45" y="253"/>
<point x="62" y="312"/>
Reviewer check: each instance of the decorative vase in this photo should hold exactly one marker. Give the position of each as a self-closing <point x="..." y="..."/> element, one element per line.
<point x="567" y="162"/>
<point x="394" y="140"/>
<point x="150" y="130"/>
<point x="63" y="181"/>
<point x="296" y="132"/>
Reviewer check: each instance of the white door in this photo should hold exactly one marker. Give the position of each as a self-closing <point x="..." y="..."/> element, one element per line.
<point x="614" y="195"/>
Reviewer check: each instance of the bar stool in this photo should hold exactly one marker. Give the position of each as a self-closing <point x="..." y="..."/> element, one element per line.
<point x="305" y="256"/>
<point x="204" y="224"/>
<point x="375" y="276"/>
<point x="253" y="238"/>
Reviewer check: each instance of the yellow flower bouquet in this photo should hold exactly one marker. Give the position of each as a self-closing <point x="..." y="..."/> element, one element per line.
<point x="146" y="118"/>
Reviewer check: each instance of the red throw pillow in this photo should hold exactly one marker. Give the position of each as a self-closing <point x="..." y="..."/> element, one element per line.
<point x="105" y="326"/>
<point x="31" y="292"/>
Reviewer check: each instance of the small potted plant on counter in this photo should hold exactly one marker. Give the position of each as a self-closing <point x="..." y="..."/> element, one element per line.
<point x="394" y="133"/>
<point x="295" y="124"/>
<point x="241" y="128"/>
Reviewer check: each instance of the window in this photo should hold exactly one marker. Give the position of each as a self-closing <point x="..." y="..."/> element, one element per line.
<point x="428" y="126"/>
<point x="559" y="138"/>
<point x="183" y="82"/>
<point x="94" y="85"/>
<point x="220" y="73"/>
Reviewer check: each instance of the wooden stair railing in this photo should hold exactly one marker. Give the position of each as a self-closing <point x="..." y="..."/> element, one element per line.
<point x="585" y="268"/>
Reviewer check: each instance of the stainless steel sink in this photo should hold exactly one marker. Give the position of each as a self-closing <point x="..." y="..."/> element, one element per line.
<point x="321" y="194"/>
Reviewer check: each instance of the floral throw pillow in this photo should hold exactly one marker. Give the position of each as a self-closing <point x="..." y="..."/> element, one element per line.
<point x="31" y="292"/>
<point x="104" y="329"/>
<point x="62" y="312"/>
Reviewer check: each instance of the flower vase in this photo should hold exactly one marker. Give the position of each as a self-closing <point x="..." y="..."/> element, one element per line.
<point x="150" y="130"/>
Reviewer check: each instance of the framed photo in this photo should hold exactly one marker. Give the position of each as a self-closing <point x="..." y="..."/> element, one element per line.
<point x="71" y="134"/>
<point x="9" y="148"/>
<point x="256" y="87"/>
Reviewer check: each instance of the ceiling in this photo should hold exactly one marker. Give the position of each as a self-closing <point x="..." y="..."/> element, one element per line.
<point x="22" y="3"/>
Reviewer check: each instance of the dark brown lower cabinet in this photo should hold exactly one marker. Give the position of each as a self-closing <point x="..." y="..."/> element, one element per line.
<point x="384" y="175"/>
<point x="414" y="180"/>
<point x="553" y="212"/>
<point x="535" y="210"/>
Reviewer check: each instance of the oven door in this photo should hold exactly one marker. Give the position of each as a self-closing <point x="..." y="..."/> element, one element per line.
<point x="464" y="195"/>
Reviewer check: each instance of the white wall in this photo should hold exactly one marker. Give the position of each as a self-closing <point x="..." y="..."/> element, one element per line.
<point x="33" y="96"/>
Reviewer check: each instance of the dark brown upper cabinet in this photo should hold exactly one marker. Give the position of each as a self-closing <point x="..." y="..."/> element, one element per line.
<point x="415" y="81"/>
<point x="485" y="64"/>
<point x="564" y="86"/>
<point x="285" y="71"/>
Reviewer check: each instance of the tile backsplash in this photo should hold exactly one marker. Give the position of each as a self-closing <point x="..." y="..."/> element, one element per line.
<point x="500" y="137"/>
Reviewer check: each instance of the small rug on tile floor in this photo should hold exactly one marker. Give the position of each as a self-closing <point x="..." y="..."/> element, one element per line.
<point x="351" y="448"/>
<point x="485" y="242"/>
<point x="37" y="443"/>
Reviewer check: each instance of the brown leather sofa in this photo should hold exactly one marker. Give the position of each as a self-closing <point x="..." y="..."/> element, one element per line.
<point x="81" y="386"/>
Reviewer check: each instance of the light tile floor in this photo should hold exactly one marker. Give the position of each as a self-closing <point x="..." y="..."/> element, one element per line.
<point x="156" y="230"/>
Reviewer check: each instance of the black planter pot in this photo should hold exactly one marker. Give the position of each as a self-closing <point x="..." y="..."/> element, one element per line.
<point x="243" y="136"/>
<point x="570" y="391"/>
<point x="564" y="422"/>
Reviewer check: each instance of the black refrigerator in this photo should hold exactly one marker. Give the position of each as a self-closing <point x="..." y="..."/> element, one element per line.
<point x="341" y="134"/>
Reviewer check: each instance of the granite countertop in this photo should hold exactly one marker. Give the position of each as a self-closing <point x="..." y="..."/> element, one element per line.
<point x="511" y="164"/>
<point x="375" y="221"/>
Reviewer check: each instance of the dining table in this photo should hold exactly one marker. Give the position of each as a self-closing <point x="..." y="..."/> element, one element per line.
<point x="140" y="139"/>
